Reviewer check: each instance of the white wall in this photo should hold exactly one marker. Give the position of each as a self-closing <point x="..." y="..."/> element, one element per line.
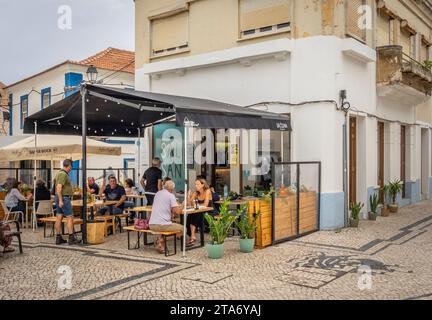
<point x="315" y="69"/>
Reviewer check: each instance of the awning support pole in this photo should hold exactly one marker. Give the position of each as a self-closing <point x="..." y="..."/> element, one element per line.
<point x="185" y="189"/>
<point x="84" y="163"/>
<point x="139" y="155"/>
<point x="33" y="217"/>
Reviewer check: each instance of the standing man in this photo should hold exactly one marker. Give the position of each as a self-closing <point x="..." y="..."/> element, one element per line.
<point x="152" y="180"/>
<point x="63" y="196"/>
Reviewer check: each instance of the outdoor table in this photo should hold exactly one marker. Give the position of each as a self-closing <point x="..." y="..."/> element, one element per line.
<point x="139" y="210"/>
<point x="146" y="209"/>
<point x="136" y="197"/>
<point x="196" y="211"/>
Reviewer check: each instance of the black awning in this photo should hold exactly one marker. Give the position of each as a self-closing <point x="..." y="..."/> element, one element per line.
<point x="120" y="112"/>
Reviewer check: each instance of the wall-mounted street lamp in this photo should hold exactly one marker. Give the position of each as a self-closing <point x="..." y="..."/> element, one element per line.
<point x="92" y="74"/>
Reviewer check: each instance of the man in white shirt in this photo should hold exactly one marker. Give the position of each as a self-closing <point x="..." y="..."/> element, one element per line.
<point x="165" y="207"/>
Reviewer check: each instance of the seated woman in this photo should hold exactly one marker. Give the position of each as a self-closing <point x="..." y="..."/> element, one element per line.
<point x="203" y="195"/>
<point x="130" y="191"/>
<point x="14" y="199"/>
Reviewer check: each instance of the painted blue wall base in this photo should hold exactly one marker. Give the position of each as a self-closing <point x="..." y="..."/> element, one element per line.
<point x="412" y="191"/>
<point x="332" y="211"/>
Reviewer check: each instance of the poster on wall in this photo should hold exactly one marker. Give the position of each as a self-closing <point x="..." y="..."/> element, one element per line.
<point x="168" y="146"/>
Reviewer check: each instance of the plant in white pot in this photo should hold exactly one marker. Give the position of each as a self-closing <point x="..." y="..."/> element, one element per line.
<point x="219" y="227"/>
<point x="395" y="188"/>
<point x="247" y="226"/>
<point x="355" y="214"/>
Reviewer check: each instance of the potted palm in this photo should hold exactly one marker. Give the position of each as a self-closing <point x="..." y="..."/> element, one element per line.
<point x="219" y="227"/>
<point x="385" y="212"/>
<point x="247" y="226"/>
<point x="395" y="188"/>
<point x="373" y="200"/>
<point x="355" y="214"/>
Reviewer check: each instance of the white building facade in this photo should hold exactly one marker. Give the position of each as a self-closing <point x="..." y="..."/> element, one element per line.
<point x="303" y="77"/>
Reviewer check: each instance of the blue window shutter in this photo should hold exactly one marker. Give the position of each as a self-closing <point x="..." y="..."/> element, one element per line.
<point x="43" y="92"/>
<point x="72" y="79"/>
<point x="10" y="112"/>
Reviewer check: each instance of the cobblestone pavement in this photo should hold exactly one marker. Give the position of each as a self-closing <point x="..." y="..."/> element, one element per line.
<point x="323" y="265"/>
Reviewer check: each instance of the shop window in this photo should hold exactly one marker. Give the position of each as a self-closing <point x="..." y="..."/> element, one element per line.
<point x="258" y="176"/>
<point x="170" y="34"/>
<point x="259" y="17"/>
<point x="353" y="17"/>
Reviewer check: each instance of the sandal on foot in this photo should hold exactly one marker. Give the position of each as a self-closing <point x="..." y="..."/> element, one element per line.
<point x="8" y="249"/>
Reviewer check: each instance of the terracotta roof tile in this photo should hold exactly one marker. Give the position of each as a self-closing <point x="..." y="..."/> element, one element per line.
<point x="112" y="59"/>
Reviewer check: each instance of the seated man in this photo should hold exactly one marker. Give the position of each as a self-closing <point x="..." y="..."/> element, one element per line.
<point x="165" y="206"/>
<point x="113" y="192"/>
<point x="92" y="187"/>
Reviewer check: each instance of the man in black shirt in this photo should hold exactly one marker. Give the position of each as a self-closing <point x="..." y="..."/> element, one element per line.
<point x="152" y="180"/>
<point x="92" y="187"/>
<point x="113" y="192"/>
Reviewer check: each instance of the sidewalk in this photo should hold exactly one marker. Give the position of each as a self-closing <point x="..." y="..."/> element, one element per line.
<point x="323" y="265"/>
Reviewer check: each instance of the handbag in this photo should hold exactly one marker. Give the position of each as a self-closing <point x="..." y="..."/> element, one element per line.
<point x="141" y="224"/>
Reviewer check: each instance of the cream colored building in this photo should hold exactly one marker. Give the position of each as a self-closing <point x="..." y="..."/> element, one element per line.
<point x="295" y="57"/>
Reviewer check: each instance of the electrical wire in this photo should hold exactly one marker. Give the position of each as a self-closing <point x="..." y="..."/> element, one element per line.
<point x="119" y="70"/>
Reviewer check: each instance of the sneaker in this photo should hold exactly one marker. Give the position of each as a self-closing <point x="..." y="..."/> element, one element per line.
<point x="73" y="240"/>
<point x="60" y="240"/>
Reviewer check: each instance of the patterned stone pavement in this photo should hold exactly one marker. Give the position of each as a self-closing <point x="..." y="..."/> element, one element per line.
<point x="323" y="265"/>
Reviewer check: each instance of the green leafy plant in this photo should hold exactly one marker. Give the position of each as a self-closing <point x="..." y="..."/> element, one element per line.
<point x="428" y="64"/>
<point x="355" y="209"/>
<point x="220" y="226"/>
<point x="246" y="225"/>
<point x="373" y="200"/>
<point x="267" y="195"/>
<point x="394" y="188"/>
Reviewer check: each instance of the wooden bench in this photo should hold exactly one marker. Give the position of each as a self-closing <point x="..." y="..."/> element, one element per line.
<point x="165" y="235"/>
<point x="53" y="219"/>
<point x="122" y="216"/>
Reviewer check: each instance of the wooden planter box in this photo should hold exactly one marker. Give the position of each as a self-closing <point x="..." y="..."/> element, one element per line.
<point x="285" y="217"/>
<point x="264" y="222"/>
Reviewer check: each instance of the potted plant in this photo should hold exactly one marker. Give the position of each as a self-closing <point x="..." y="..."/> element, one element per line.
<point x="247" y="227"/>
<point x="219" y="229"/>
<point x="394" y="188"/>
<point x="247" y="191"/>
<point x="355" y="214"/>
<point x="373" y="200"/>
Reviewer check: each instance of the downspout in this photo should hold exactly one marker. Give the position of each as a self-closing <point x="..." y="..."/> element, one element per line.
<point x="345" y="106"/>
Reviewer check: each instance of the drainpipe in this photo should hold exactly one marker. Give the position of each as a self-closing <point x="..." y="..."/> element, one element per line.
<point x="345" y="106"/>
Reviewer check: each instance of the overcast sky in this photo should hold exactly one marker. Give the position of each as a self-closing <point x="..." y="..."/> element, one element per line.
<point x="35" y="36"/>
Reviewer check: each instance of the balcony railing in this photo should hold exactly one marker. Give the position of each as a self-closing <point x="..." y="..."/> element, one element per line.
<point x="395" y="67"/>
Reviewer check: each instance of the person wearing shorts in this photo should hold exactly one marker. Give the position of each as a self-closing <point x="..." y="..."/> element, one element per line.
<point x="63" y="197"/>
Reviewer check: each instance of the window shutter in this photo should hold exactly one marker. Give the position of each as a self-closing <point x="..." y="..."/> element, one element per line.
<point x="352" y="19"/>
<point x="256" y="14"/>
<point x="405" y="38"/>
<point x="383" y="29"/>
<point x="424" y="53"/>
<point x="170" y="32"/>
